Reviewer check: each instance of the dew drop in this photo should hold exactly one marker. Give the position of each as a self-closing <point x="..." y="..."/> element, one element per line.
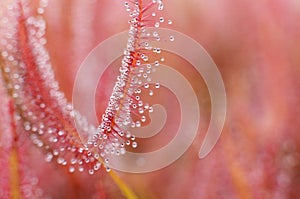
<point x="141" y="110"/>
<point x="134" y="144"/>
<point x="42" y="105"/>
<point x="145" y="58"/>
<point x="151" y="93"/>
<point x="80" y="162"/>
<point x="4" y="54"/>
<point x="60" y="160"/>
<point x="132" y="137"/>
<point x="132" y="125"/>
<point x="61" y="133"/>
<point x="97" y="166"/>
<point x="122" y="151"/>
<point x="10" y="58"/>
<point x="108" y="169"/>
<point x="140" y="103"/>
<point x="146" y="85"/>
<point x="49" y="157"/>
<point x="80" y="169"/>
<point x="143" y="119"/>
<point x="73" y="161"/>
<point x="41" y="132"/>
<point x="146" y="105"/>
<point x="160" y="6"/>
<point x="40" y="10"/>
<point x="172" y="38"/>
<point x="138" y="62"/>
<point x="150" y="109"/>
<point x="138" y="91"/>
<point x="91" y="171"/>
<point x="71" y="169"/>
<point x="55" y="152"/>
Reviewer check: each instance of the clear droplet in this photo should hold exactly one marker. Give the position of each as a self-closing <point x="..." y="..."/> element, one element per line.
<point x="141" y="110"/>
<point x="172" y="38"/>
<point x="151" y="93"/>
<point x="138" y="124"/>
<point x="108" y="169"/>
<point x="49" y="157"/>
<point x="91" y="171"/>
<point x="80" y="169"/>
<point x="132" y="125"/>
<point x="61" y="133"/>
<point x="71" y="169"/>
<point x="40" y="10"/>
<point x="134" y="144"/>
<point x="160" y="6"/>
<point x="150" y="109"/>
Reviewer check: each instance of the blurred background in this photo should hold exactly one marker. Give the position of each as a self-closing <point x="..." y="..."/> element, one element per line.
<point x="255" y="45"/>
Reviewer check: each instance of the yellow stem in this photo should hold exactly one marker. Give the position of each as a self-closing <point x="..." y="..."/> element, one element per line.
<point x="128" y="193"/>
<point x="13" y="158"/>
<point x="14" y="174"/>
<point x="238" y="174"/>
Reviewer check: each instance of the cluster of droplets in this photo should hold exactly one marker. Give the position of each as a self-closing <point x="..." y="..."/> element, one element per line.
<point x="126" y="109"/>
<point x="28" y="182"/>
<point x="41" y="109"/>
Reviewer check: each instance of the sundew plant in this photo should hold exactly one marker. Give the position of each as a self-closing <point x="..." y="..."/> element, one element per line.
<point x="34" y="109"/>
<point x="149" y="99"/>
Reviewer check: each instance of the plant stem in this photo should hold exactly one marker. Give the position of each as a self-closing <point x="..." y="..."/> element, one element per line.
<point x="128" y="193"/>
<point x="13" y="159"/>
